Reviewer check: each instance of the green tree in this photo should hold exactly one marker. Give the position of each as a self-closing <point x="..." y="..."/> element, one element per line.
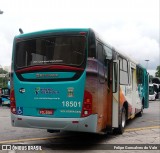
<point x="3" y="71"/>
<point x="3" y="81"/>
<point x="157" y="74"/>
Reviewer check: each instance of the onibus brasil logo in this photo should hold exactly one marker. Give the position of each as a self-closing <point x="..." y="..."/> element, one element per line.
<point x="39" y="90"/>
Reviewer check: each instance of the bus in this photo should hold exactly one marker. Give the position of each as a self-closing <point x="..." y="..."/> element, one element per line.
<point x="156" y="84"/>
<point x="71" y="80"/>
<point x="5" y="95"/>
<point x="152" y="93"/>
<point x="143" y="85"/>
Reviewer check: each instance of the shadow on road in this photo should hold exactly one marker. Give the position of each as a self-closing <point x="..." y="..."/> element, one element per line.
<point x="77" y="141"/>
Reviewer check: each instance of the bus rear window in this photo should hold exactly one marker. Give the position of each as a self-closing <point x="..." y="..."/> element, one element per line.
<point x="66" y="50"/>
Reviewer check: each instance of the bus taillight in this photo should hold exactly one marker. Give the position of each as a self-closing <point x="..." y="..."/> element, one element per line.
<point x="87" y="104"/>
<point x="12" y="101"/>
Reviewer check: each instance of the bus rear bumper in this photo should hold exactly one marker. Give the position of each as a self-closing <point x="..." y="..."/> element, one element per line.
<point x="86" y="124"/>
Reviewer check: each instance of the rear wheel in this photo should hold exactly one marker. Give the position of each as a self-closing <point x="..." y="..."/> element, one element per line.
<point x="122" y="125"/>
<point x="141" y="112"/>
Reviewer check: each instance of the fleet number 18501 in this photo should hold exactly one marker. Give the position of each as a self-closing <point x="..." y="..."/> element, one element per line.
<point x="71" y="104"/>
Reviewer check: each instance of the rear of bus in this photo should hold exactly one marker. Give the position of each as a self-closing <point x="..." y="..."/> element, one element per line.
<point x="48" y="81"/>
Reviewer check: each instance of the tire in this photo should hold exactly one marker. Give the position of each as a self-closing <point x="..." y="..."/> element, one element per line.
<point x="141" y="112"/>
<point x="122" y="125"/>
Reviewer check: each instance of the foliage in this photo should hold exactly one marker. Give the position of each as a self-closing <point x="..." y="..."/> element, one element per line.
<point x="157" y="74"/>
<point x="3" y="71"/>
<point x="3" y="81"/>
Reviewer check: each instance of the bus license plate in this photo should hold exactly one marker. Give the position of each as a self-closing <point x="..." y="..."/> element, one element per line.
<point x="46" y="111"/>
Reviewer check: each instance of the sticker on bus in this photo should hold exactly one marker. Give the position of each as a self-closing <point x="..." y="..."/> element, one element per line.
<point x="19" y="110"/>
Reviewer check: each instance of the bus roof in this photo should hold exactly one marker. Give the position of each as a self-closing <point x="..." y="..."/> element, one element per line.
<point x="36" y="33"/>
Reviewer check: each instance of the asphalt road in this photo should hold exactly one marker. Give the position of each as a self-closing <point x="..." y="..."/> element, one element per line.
<point x="150" y="117"/>
<point x="140" y="130"/>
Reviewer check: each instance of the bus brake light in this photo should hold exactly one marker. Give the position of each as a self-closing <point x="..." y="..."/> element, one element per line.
<point x="12" y="102"/>
<point x="87" y="104"/>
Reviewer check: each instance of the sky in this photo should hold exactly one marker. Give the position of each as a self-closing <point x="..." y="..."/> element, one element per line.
<point x="130" y="26"/>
